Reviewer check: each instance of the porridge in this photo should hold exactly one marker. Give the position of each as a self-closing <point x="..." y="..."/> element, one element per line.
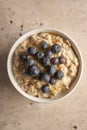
<point x="45" y="64"/>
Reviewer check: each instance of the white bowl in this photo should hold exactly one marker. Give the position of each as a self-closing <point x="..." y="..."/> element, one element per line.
<point x="28" y="34"/>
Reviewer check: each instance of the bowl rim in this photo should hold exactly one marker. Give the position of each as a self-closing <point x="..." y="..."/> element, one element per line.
<point x="23" y="37"/>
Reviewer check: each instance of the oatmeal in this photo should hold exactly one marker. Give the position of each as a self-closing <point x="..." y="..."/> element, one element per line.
<point x="45" y="64"/>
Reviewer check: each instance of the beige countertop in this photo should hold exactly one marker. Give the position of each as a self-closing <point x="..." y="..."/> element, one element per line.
<point x="18" y="17"/>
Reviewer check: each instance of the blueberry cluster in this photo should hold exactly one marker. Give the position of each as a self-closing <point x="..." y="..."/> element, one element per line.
<point x="44" y="57"/>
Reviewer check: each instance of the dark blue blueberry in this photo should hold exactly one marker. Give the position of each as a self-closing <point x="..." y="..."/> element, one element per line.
<point x="48" y="53"/>
<point x="59" y="74"/>
<point x="56" y="48"/>
<point x="45" y="77"/>
<point x="40" y="54"/>
<point x="46" y="61"/>
<point x="39" y="76"/>
<point x="30" y="62"/>
<point x="32" y="50"/>
<point x="44" y="45"/>
<point x="34" y="70"/>
<point x="52" y="81"/>
<point x="54" y="60"/>
<point x="51" y="69"/>
<point x="23" y="57"/>
<point x="45" y="89"/>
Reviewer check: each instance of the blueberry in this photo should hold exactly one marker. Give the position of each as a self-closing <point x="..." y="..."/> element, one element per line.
<point x="62" y="60"/>
<point x="46" y="61"/>
<point x="52" y="81"/>
<point x="39" y="76"/>
<point x="45" y="89"/>
<point x="45" y="77"/>
<point x="59" y="74"/>
<point x="30" y="62"/>
<point x="56" y="48"/>
<point x="23" y="57"/>
<point x="34" y="70"/>
<point x="40" y="54"/>
<point x="54" y="60"/>
<point x="51" y="69"/>
<point x="31" y="50"/>
<point x="44" y="45"/>
<point x="48" y="53"/>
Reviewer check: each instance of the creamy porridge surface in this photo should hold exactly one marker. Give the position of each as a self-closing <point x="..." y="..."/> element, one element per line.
<point x="32" y="85"/>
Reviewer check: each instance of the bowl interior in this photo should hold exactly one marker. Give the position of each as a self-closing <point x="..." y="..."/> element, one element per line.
<point x="51" y="30"/>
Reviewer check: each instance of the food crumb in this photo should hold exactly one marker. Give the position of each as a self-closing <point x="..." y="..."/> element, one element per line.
<point x="20" y="34"/>
<point x="41" y="24"/>
<point x="11" y="21"/>
<point x="75" y="127"/>
<point x="21" y="26"/>
<point x="2" y="29"/>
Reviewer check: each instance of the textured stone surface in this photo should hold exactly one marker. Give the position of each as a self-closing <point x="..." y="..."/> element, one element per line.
<point x="18" y="17"/>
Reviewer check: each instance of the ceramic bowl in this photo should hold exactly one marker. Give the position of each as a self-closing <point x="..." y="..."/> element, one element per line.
<point x="30" y="33"/>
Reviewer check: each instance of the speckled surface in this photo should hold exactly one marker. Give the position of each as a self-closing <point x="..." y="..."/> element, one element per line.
<point x="18" y="17"/>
